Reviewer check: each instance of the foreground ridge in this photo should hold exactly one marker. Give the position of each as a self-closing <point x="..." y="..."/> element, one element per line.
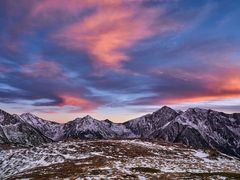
<point x="116" y="159"/>
<point x="198" y="128"/>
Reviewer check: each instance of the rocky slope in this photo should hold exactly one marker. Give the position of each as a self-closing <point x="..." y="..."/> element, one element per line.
<point x="14" y="131"/>
<point x="146" y="125"/>
<point x="50" y="129"/>
<point x="202" y="128"/>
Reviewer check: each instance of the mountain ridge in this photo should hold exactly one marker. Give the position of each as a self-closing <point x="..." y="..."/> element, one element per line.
<point x="196" y="127"/>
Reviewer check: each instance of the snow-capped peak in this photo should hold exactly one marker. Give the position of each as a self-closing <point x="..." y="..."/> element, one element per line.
<point x="50" y="129"/>
<point x="88" y="117"/>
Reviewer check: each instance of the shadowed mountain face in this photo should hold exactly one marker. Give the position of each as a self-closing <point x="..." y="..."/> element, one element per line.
<point x="195" y="127"/>
<point x="146" y="125"/>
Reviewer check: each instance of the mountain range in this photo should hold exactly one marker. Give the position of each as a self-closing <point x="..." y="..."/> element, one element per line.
<point x="195" y="127"/>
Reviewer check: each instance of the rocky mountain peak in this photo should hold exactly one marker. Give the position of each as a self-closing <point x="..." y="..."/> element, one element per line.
<point x="165" y="109"/>
<point x="88" y="117"/>
<point x="108" y="121"/>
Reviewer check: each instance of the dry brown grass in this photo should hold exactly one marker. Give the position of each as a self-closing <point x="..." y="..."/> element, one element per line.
<point x="107" y="153"/>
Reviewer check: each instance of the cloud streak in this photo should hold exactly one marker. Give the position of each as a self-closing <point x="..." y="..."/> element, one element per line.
<point x="108" y="32"/>
<point x="43" y="68"/>
<point x="81" y="103"/>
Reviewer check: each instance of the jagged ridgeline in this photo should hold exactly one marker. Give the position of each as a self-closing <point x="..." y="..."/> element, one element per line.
<point x="199" y="128"/>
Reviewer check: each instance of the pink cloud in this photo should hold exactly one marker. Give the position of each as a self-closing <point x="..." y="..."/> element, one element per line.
<point x="108" y="32"/>
<point x="82" y="104"/>
<point x="224" y="83"/>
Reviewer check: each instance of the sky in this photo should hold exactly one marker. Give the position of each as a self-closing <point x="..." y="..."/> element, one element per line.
<point x="118" y="59"/>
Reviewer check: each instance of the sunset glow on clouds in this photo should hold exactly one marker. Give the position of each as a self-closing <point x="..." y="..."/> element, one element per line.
<point x="83" y="104"/>
<point x="118" y="59"/>
<point x="111" y="29"/>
